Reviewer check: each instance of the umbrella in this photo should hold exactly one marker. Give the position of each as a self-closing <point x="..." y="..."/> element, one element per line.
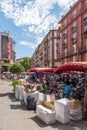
<point x="51" y="70"/>
<point x="72" y="66"/>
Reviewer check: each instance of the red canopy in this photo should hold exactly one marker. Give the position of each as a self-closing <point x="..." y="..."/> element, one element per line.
<point x="41" y="70"/>
<point x="72" y="66"/>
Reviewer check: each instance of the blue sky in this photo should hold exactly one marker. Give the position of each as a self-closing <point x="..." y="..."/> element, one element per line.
<point x="28" y="21"/>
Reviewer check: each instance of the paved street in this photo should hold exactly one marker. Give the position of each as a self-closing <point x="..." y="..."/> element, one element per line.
<point x="14" y="116"/>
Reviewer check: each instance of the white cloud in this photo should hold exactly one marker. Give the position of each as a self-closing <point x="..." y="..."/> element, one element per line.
<point x="35" y="14"/>
<point x="65" y="3"/>
<point x="30" y="45"/>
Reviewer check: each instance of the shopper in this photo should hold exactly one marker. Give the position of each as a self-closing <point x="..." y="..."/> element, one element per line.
<point x="67" y="90"/>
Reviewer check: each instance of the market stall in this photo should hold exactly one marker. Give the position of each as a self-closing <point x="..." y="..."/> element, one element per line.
<point x="72" y="66"/>
<point x="76" y="66"/>
<point x="41" y="70"/>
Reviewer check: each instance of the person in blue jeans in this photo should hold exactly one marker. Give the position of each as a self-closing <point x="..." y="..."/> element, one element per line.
<point x="67" y="90"/>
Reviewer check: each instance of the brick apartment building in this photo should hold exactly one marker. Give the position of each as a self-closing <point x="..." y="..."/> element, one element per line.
<point x="74" y="33"/>
<point x="7" y="55"/>
<point x="68" y="43"/>
<point x="47" y="53"/>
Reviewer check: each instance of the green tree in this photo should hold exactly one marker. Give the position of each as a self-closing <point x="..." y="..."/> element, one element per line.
<point x="26" y="62"/>
<point x="16" y="68"/>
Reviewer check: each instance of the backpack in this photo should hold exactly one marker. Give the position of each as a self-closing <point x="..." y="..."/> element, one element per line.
<point x="31" y="103"/>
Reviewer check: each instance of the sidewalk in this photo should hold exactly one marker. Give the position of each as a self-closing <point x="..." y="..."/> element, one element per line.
<point x="14" y="116"/>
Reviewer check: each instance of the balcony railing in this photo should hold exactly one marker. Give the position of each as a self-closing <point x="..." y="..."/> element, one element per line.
<point x="65" y="45"/>
<point x="73" y="29"/>
<point x="68" y="54"/>
<point x="82" y="49"/>
<point x="64" y="35"/>
<point x="81" y="8"/>
<point x="85" y="20"/>
<point x="85" y="34"/>
<point x="73" y="52"/>
<point x="73" y="40"/>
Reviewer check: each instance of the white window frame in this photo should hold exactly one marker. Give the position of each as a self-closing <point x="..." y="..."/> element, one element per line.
<point x="74" y="14"/>
<point x="65" y="22"/>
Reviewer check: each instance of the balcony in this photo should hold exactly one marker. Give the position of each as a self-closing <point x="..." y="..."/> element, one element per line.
<point x="64" y="35"/>
<point x="64" y="45"/>
<point x="81" y="8"/>
<point x="68" y="54"/>
<point x="85" y="20"/>
<point x="64" y="56"/>
<point x="73" y="16"/>
<point x="73" y="29"/>
<point x="73" y="40"/>
<point x="82" y="49"/>
<point x="73" y="52"/>
<point x="85" y="34"/>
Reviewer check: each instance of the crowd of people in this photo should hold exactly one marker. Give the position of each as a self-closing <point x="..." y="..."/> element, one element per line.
<point x="69" y="85"/>
<point x="64" y="85"/>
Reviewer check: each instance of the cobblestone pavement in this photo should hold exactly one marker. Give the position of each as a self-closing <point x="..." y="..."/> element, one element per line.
<point x="14" y="116"/>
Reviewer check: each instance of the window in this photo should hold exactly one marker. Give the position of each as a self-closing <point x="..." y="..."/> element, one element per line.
<point x="4" y="41"/>
<point x="86" y="43"/>
<point x="85" y="27"/>
<point x="65" y="52"/>
<point x="74" y="14"/>
<point x="85" y="34"/>
<point x="55" y="33"/>
<point x="81" y="7"/>
<point x="86" y="56"/>
<point x="74" y="24"/>
<point x="65" y="61"/>
<point x="74" y="58"/>
<point x="74" y="48"/>
<point x="74" y="35"/>
<point x="74" y="27"/>
<point x="85" y="20"/>
<point x="85" y="16"/>
<point x="85" y="2"/>
<point x="65" y="22"/>
<point x="64" y="34"/>
<point x="50" y="34"/>
<point x="55" y="41"/>
<point x="65" y="41"/>
<point x="64" y="31"/>
<point x="60" y="34"/>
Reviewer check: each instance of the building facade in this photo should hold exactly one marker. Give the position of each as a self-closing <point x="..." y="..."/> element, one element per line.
<point x="6" y="50"/>
<point x="74" y="33"/>
<point x="47" y="53"/>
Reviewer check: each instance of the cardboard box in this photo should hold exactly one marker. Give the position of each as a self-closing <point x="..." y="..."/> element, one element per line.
<point x="49" y="105"/>
<point x="50" y="98"/>
<point x="75" y="104"/>
<point x="76" y="114"/>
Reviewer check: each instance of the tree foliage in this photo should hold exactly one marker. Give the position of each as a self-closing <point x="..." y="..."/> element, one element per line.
<point x="16" y="68"/>
<point x="26" y="62"/>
